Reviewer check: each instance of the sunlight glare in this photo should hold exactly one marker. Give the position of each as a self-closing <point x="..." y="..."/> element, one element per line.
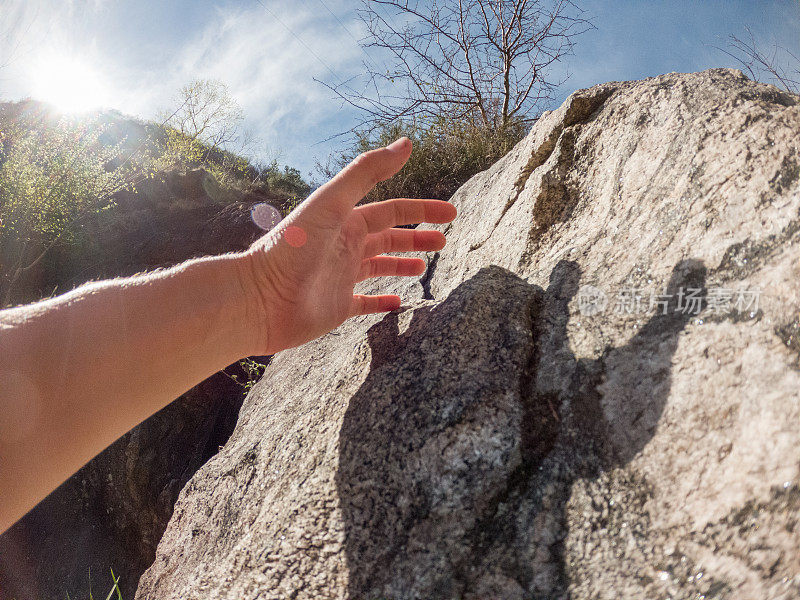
<point x="68" y="83"/>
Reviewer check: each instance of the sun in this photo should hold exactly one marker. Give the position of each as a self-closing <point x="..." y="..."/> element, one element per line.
<point x="68" y="83"/>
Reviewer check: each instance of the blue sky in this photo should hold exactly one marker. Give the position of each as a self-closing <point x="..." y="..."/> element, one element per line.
<point x="135" y="54"/>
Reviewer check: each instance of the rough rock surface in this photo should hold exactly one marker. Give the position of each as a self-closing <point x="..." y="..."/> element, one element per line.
<point x="503" y="437"/>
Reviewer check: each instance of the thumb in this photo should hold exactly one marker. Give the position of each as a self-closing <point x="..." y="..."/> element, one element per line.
<point x="353" y="182"/>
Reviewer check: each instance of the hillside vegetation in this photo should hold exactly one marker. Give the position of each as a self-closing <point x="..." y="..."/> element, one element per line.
<point x="105" y="194"/>
<point x="65" y="180"/>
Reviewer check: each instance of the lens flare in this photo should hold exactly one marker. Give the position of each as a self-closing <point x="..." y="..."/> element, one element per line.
<point x="265" y="215"/>
<point x="295" y="235"/>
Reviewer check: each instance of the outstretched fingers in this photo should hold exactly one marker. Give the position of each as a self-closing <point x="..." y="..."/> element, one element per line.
<point x="364" y="305"/>
<point x="404" y="211"/>
<point x="403" y="240"/>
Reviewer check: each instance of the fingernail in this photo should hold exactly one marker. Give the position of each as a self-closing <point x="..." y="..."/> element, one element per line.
<point x="398" y="144"/>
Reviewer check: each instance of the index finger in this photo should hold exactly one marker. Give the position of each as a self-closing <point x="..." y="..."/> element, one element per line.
<point x="353" y="182"/>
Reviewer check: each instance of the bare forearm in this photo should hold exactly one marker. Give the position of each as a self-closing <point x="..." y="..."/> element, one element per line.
<point x="82" y="369"/>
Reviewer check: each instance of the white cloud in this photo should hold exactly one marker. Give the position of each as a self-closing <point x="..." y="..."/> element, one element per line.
<point x="269" y="62"/>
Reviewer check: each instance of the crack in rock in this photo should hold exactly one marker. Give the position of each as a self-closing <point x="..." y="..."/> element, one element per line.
<point x="582" y="105"/>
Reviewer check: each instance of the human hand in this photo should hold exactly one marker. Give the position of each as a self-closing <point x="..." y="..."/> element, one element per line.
<point x="304" y="270"/>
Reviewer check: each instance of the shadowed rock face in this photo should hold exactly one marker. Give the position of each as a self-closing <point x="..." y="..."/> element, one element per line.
<point x="501" y="437"/>
<point x="435" y="518"/>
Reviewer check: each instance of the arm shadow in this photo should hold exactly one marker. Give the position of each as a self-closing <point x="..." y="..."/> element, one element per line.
<point x="442" y="446"/>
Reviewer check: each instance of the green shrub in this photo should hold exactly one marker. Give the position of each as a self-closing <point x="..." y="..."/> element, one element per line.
<point x="182" y="152"/>
<point x="286" y="182"/>
<point x="56" y="173"/>
<point x="52" y="175"/>
<point x="179" y="151"/>
<point x="250" y="372"/>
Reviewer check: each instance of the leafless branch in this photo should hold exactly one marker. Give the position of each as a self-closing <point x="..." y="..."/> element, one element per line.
<point x="490" y="60"/>
<point x="760" y="66"/>
<point x="208" y="113"/>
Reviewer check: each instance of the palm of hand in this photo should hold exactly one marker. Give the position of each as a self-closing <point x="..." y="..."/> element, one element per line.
<point x="306" y="268"/>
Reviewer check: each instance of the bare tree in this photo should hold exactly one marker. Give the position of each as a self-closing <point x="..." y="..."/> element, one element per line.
<point x="207" y="113"/>
<point x="780" y="67"/>
<point x="206" y="129"/>
<point x="487" y="60"/>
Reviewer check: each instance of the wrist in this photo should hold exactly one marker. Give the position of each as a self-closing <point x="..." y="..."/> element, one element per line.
<point x="251" y="306"/>
<point x="223" y="296"/>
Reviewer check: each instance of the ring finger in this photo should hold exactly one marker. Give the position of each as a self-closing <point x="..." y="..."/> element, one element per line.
<point x="403" y="240"/>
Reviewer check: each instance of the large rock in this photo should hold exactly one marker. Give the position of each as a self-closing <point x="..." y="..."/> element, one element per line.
<point x="502" y="436"/>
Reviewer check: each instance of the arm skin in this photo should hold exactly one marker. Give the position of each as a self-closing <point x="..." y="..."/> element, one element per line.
<point x="79" y="370"/>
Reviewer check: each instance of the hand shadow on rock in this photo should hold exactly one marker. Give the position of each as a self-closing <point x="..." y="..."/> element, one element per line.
<point x="441" y="461"/>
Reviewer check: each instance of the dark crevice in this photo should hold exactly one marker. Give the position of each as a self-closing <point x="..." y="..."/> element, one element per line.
<point x="556" y="200"/>
<point x="425" y="280"/>
<point x="537" y="159"/>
